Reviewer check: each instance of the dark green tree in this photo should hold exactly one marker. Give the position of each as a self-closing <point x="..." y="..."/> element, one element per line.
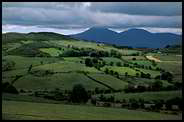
<point x="79" y="94"/>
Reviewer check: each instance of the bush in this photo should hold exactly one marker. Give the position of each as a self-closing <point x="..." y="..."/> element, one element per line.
<point x="93" y="100"/>
<point x="88" y="62"/>
<point x="126" y="73"/>
<point x="116" y="74"/>
<point x="111" y="63"/>
<point x="79" y="94"/>
<point x="133" y="59"/>
<point x="133" y="103"/>
<point x="157" y="85"/>
<point x="137" y="74"/>
<point x="9" y="88"/>
<point x="111" y="72"/>
<point x="118" y="64"/>
<point x="166" y="76"/>
<point x="106" y="70"/>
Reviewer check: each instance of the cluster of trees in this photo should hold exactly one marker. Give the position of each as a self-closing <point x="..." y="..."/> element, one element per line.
<point x="114" y="53"/>
<point x="78" y="94"/>
<point x="155" y="86"/>
<point x="165" y="76"/>
<point x="76" y="52"/>
<point x="111" y="72"/>
<point x="95" y="62"/>
<point x="9" y="88"/>
<point x="133" y="103"/>
<point x="102" y="91"/>
<point x="142" y="66"/>
<point x="122" y="47"/>
<point x="145" y="75"/>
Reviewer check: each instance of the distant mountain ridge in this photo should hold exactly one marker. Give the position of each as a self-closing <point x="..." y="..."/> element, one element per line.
<point x="132" y="37"/>
<point x="39" y="36"/>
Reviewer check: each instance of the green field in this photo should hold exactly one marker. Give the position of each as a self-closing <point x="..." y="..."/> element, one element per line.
<point x="43" y="111"/>
<point x="147" y="96"/>
<point x="42" y="67"/>
<point x="60" y="80"/>
<point x="153" y="73"/>
<point x="65" y="66"/>
<point x="121" y="70"/>
<point x="109" y="80"/>
<point x="129" y="58"/>
<point x="140" y="62"/>
<point x="112" y="59"/>
<point x="25" y="62"/>
<point x="52" y="51"/>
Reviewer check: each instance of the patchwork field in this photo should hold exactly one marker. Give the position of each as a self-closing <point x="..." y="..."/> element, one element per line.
<point x="45" y="64"/>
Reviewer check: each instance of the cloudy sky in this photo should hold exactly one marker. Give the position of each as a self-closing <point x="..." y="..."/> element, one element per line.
<point x="74" y="17"/>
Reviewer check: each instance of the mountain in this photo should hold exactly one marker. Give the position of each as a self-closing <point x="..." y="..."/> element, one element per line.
<point x="132" y="37"/>
<point x="98" y="34"/>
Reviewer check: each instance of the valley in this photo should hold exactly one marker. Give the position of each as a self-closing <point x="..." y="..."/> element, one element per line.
<point x="49" y="68"/>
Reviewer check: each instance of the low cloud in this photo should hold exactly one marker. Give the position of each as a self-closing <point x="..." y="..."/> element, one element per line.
<point x="84" y="15"/>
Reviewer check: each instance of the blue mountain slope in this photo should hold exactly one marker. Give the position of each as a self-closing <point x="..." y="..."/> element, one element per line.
<point x="131" y="37"/>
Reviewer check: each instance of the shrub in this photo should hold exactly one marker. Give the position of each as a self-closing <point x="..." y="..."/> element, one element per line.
<point x="133" y="103"/>
<point x="118" y="64"/>
<point x="157" y="85"/>
<point x="79" y="94"/>
<point x="111" y="63"/>
<point x="166" y="76"/>
<point x="137" y="74"/>
<point x="111" y="72"/>
<point x="93" y="100"/>
<point x="88" y="62"/>
<point x="9" y="88"/>
<point x="126" y="73"/>
<point x="102" y="98"/>
<point x="106" y="70"/>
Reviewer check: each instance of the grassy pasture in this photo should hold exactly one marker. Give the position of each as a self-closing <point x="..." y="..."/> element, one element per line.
<point x="25" y="98"/>
<point x="129" y="51"/>
<point x="52" y="51"/>
<point x="74" y="59"/>
<point x="129" y="58"/>
<point x="27" y="42"/>
<point x="109" y="80"/>
<point x="63" y="81"/>
<point x="25" y="62"/>
<point x="112" y="59"/>
<point x="153" y="73"/>
<point x="11" y="46"/>
<point x="145" y="62"/>
<point x="65" y="66"/>
<point x="44" y="111"/>
<point x="143" y="81"/>
<point x="121" y="70"/>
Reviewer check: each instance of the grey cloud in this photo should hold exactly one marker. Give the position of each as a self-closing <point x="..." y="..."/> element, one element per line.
<point x="141" y="8"/>
<point x="75" y="15"/>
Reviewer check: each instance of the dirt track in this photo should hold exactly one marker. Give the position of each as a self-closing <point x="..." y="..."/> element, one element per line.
<point x="153" y="58"/>
<point x="158" y="60"/>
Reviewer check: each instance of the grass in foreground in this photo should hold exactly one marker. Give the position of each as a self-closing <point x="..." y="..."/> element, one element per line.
<point x="28" y="110"/>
